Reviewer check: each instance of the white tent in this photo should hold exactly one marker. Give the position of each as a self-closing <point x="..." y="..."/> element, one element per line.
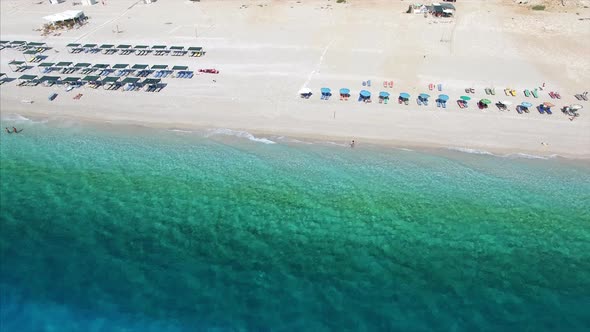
<point x="89" y="2"/>
<point x="65" y="16"/>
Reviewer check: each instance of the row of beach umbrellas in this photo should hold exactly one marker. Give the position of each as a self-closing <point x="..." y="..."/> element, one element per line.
<point x="424" y="96"/>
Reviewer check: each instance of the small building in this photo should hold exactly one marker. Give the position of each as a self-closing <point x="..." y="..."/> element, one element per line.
<point x="69" y="16"/>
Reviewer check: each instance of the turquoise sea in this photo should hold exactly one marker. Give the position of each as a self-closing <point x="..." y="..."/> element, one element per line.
<point x="136" y="229"/>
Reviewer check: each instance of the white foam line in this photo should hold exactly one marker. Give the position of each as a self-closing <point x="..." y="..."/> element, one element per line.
<point x="317" y="69"/>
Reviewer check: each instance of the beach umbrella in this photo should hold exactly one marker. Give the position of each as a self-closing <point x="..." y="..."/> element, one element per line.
<point x="526" y="104"/>
<point x="548" y="104"/>
<point x="506" y="102"/>
<point x="305" y="91"/>
<point x="485" y="101"/>
<point x="404" y="95"/>
<point x="465" y="98"/>
<point x="424" y="96"/>
<point x="384" y="94"/>
<point x="365" y="93"/>
<point x="576" y="107"/>
<point x="325" y="90"/>
<point x="443" y="97"/>
<point x="344" y="91"/>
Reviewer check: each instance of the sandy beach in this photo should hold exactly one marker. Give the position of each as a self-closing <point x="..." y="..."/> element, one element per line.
<point x="267" y="51"/>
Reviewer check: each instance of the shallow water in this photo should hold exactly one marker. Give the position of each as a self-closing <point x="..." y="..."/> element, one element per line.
<point x="103" y="230"/>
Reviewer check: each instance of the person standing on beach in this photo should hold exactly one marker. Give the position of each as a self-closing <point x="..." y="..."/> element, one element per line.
<point x="352" y="144"/>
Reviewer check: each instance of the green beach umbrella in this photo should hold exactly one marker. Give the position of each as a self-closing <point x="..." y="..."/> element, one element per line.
<point x="466" y="98"/>
<point x="485" y="101"/>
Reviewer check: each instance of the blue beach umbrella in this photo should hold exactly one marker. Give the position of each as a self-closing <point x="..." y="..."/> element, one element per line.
<point x="384" y="94"/>
<point x="405" y="95"/>
<point x="325" y="90"/>
<point x="424" y="96"/>
<point x="443" y="97"/>
<point x="344" y="91"/>
<point x="365" y="93"/>
<point x="526" y="104"/>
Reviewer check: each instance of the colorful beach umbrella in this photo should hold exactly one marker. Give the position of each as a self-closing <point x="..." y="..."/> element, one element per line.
<point x="344" y="91"/>
<point x="305" y="91"/>
<point x="506" y="102"/>
<point x="548" y="104"/>
<point x="365" y="93"/>
<point x="443" y="97"/>
<point x="325" y="90"/>
<point x="404" y="95"/>
<point x="424" y="96"/>
<point x="465" y="98"/>
<point x="526" y="104"/>
<point x="576" y="107"/>
<point x="384" y="94"/>
<point x="485" y="101"/>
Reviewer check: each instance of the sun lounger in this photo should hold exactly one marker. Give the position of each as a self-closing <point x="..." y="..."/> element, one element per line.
<point x="584" y="96"/>
<point x="493" y="91"/>
<point x="384" y="84"/>
<point x="557" y="95"/>
<point x="507" y="92"/>
<point x="391" y="84"/>
<point x="551" y="94"/>
<point x="548" y="110"/>
<point x="439" y="87"/>
<point x="519" y="109"/>
<point x="52" y="96"/>
<point x="385" y="100"/>
<point x="430" y="86"/>
<point x="406" y="102"/>
<point x="444" y="104"/>
<point x="540" y="109"/>
<point x="364" y="83"/>
<point x="527" y="93"/>
<point x="369" y="83"/>
<point x="418" y="101"/>
<point x="535" y="93"/>
<point x="487" y="91"/>
<point x="513" y="93"/>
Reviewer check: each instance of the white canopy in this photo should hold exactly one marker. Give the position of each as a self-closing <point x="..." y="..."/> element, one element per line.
<point x="64" y="16"/>
<point x="304" y="91"/>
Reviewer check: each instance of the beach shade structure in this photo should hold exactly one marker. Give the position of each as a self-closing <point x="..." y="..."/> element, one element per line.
<point x="101" y="66"/>
<point x="130" y="80"/>
<point x="120" y="66"/>
<point x="443" y="98"/>
<point x="71" y="80"/>
<point x="45" y="64"/>
<point x="180" y="68"/>
<point x="526" y="104"/>
<point x="141" y="47"/>
<point x="159" y="47"/>
<point x="344" y="91"/>
<point x="196" y="51"/>
<point x="109" y="80"/>
<point x="49" y="80"/>
<point x="383" y="94"/>
<point x="90" y="78"/>
<point x="423" y="96"/>
<point x="485" y="101"/>
<point x="82" y="65"/>
<point x="465" y="98"/>
<point x="177" y="48"/>
<point x="30" y="52"/>
<point x="404" y="95"/>
<point x="16" y="65"/>
<point x="548" y="104"/>
<point x="139" y="67"/>
<point x="17" y="43"/>
<point x="506" y="102"/>
<point x="159" y="67"/>
<point x="325" y="90"/>
<point x="27" y="78"/>
<point x="148" y="81"/>
<point x="106" y="46"/>
<point x="63" y="64"/>
<point x="35" y="44"/>
<point x="124" y="46"/>
<point x="89" y="47"/>
<point x="576" y="107"/>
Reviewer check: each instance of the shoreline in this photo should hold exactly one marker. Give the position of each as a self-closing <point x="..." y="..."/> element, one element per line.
<point x="274" y="137"/>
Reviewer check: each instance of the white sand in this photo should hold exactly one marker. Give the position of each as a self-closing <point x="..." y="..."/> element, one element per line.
<point x="269" y="50"/>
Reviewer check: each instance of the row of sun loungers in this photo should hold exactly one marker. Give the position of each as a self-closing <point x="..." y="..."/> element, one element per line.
<point x="140" y="50"/>
<point x="23" y="46"/>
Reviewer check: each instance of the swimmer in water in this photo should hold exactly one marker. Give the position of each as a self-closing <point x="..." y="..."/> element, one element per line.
<point x="8" y="130"/>
<point x="352" y="144"/>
